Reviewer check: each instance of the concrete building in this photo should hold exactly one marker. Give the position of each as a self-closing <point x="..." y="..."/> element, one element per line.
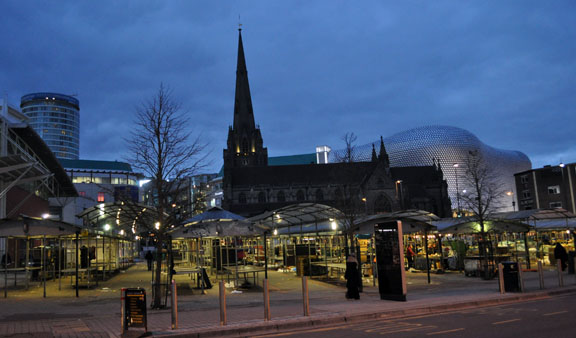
<point x="547" y="188"/>
<point x="96" y="182"/>
<point x="56" y="118"/>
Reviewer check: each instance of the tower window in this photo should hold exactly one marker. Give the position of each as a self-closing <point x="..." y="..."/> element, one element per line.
<point x="261" y="197"/>
<point x="242" y="198"/>
<point x="300" y="196"/>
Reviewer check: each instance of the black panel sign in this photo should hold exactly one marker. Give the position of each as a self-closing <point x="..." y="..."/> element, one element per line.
<point x="135" y="308"/>
<point x="390" y="260"/>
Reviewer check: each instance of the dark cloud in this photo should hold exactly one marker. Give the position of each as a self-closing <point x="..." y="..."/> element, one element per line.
<point x="506" y="71"/>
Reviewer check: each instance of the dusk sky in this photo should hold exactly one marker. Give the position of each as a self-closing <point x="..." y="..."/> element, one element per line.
<point x="504" y="70"/>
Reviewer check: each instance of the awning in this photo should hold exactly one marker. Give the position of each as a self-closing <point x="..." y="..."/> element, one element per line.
<point x="413" y="220"/>
<point x="470" y="225"/>
<point x="299" y="218"/>
<point x="30" y="227"/>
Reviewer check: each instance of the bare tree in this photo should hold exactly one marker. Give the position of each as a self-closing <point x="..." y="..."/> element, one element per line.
<point x="161" y="146"/>
<point x="349" y="153"/>
<point x="483" y="193"/>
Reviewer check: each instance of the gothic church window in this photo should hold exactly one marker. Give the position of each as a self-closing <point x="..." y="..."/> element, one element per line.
<point x="300" y="196"/>
<point x="319" y="195"/>
<point x="242" y="198"/>
<point x="280" y="196"/>
<point x="261" y="197"/>
<point x="382" y="204"/>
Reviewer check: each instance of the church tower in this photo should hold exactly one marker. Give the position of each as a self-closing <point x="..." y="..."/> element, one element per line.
<point x="245" y="145"/>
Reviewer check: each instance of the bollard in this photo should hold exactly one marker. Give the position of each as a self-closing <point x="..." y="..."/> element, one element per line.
<point x="541" y="275"/>
<point x="222" y="302"/>
<point x="305" y="296"/>
<point x="174" y="299"/>
<point x="520" y="277"/>
<point x="122" y="310"/>
<point x="267" y="315"/>
<point x="501" y="278"/>
<point x="560" y="276"/>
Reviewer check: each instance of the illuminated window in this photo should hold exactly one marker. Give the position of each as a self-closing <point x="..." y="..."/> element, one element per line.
<point x="100" y="196"/>
<point x="553" y="190"/>
<point x="555" y="205"/>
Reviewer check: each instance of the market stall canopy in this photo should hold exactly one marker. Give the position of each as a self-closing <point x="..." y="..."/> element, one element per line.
<point x="128" y="216"/>
<point x="215" y="222"/>
<point x="299" y="218"/>
<point x="30" y="227"/>
<point x="470" y="225"/>
<point x="413" y="220"/>
<point x="535" y="214"/>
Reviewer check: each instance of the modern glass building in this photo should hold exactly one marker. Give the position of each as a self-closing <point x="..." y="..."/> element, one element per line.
<point x="56" y="118"/>
<point x="449" y="146"/>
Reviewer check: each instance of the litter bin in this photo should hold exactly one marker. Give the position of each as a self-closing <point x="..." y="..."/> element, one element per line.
<point x="511" y="278"/>
<point x="571" y="258"/>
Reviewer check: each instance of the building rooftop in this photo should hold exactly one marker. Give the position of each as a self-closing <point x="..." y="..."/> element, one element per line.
<point x="96" y="165"/>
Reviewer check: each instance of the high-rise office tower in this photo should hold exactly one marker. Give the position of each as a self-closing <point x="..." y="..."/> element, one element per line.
<point x="56" y="118"/>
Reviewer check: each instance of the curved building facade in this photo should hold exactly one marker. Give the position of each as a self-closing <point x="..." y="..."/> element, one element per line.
<point x="56" y="118"/>
<point x="448" y="145"/>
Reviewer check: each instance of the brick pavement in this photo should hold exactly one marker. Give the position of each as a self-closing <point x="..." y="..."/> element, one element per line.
<point x="97" y="312"/>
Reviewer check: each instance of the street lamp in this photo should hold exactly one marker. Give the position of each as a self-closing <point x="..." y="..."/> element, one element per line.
<point x="511" y="194"/>
<point x="455" y="165"/>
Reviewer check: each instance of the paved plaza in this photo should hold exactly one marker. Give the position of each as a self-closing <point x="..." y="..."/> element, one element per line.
<point x="96" y="313"/>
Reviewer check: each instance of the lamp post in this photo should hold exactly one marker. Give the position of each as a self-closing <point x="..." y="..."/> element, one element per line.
<point x="399" y="194"/>
<point x="455" y="165"/>
<point x="511" y="194"/>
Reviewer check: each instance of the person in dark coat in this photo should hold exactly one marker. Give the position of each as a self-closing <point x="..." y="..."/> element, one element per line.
<point x="561" y="254"/>
<point x="352" y="278"/>
<point x="410" y="256"/>
<point x="149" y="257"/>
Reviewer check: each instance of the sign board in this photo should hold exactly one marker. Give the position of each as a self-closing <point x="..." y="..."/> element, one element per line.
<point x="135" y="308"/>
<point x="390" y="260"/>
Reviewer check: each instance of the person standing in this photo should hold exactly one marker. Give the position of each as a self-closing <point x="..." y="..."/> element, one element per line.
<point x="410" y="256"/>
<point x="352" y="278"/>
<point x="561" y="254"/>
<point x="149" y="257"/>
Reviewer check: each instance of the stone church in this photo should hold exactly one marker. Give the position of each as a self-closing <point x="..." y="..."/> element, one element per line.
<point x="251" y="186"/>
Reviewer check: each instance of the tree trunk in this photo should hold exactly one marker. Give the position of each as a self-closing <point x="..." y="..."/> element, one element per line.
<point x="157" y="281"/>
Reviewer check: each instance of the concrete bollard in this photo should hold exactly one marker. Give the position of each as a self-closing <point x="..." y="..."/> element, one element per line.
<point x="560" y="276"/>
<point x="306" y="301"/>
<point x="174" y="312"/>
<point x="541" y="275"/>
<point x="267" y="315"/>
<point x="501" y="278"/>
<point x="222" y="288"/>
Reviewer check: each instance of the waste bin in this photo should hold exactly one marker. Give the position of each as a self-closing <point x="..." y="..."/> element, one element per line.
<point x="571" y="258"/>
<point x="511" y="278"/>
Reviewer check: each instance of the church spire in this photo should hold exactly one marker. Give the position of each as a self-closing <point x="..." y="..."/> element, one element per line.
<point x="374" y="156"/>
<point x="243" y="113"/>
<point x="383" y="156"/>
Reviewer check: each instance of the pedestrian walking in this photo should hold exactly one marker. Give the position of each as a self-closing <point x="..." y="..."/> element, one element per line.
<point x="561" y="254"/>
<point x="149" y="257"/>
<point x="352" y="278"/>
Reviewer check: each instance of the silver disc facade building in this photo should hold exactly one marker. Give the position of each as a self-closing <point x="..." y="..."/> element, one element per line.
<point x="56" y="118"/>
<point x="448" y="146"/>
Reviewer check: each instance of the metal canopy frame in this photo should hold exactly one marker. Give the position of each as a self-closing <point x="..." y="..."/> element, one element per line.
<point x="122" y="215"/>
<point x="296" y="215"/>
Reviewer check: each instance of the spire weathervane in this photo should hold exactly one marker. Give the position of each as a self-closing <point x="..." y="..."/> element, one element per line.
<point x="239" y="23"/>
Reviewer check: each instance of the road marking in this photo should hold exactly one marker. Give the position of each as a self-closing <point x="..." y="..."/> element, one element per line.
<point x="447" y="331"/>
<point x="554" y="313"/>
<point x="506" y="321"/>
<point x="301" y="331"/>
<point x="409" y="329"/>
